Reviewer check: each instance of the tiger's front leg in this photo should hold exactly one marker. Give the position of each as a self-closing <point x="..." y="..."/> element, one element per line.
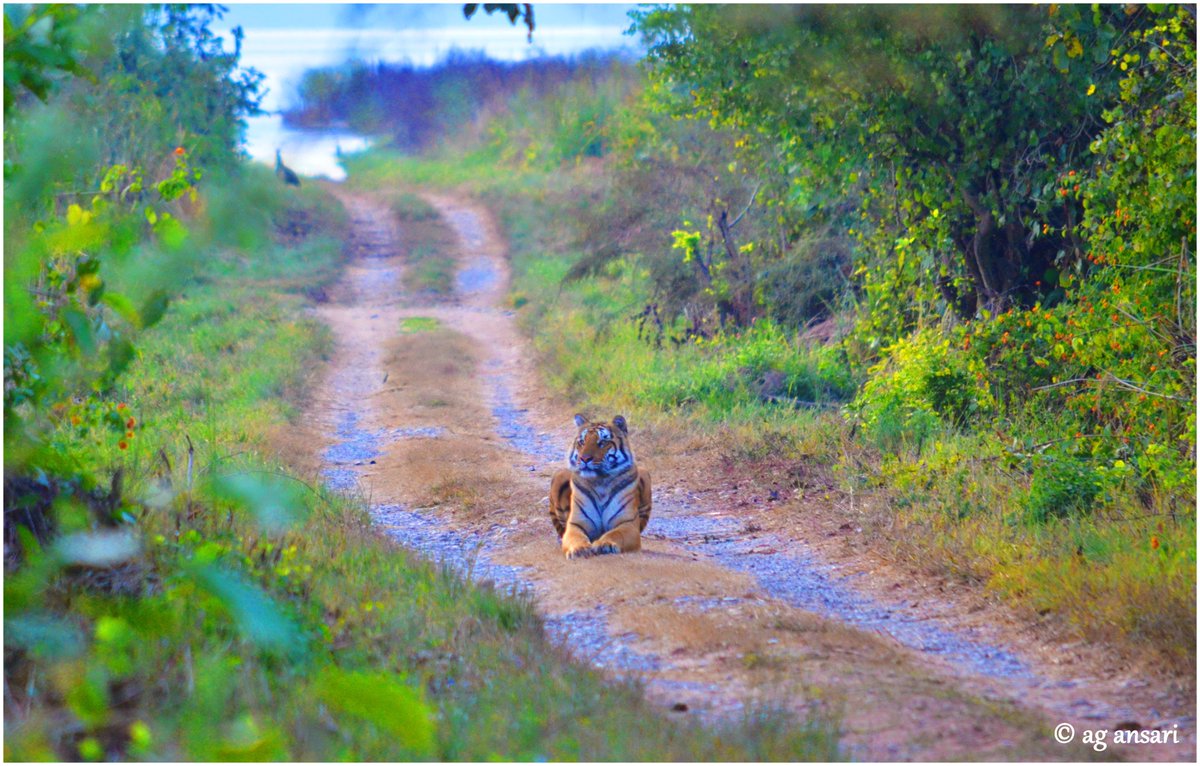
<point x="575" y="544"/>
<point x="623" y="538"/>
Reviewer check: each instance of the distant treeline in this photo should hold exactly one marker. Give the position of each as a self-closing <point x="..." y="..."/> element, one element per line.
<point x="420" y="106"/>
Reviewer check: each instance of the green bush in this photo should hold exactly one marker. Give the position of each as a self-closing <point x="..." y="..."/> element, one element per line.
<point x="1062" y="486"/>
<point x="921" y="386"/>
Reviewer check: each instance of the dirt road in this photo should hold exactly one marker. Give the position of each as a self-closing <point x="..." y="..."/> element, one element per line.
<point x="436" y="414"/>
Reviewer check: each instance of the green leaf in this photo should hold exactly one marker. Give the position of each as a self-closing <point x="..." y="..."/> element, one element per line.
<point x="383" y="700"/>
<point x="120" y="354"/>
<point x="81" y="329"/>
<point x="98" y="549"/>
<point x="42" y="635"/>
<point x="256" y="614"/>
<point x="123" y="307"/>
<point x="88" y="699"/>
<point x="277" y="503"/>
<point x="171" y="232"/>
<point x="154" y="308"/>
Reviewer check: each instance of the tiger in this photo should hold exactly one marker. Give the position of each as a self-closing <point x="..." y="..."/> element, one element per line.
<point x="601" y="503"/>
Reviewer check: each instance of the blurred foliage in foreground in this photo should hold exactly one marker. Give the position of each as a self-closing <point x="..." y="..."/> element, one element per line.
<point x="959" y="241"/>
<point x="172" y="592"/>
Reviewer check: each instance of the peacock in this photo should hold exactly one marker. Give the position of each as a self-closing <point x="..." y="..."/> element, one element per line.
<point x="284" y="172"/>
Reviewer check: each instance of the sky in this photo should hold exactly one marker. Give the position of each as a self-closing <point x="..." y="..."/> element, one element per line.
<point x="283" y="40"/>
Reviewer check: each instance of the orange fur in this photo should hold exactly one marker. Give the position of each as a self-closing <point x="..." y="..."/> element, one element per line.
<point x="601" y="503"/>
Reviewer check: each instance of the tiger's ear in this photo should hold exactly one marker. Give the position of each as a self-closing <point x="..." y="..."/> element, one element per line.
<point x="622" y="426"/>
<point x="580" y="421"/>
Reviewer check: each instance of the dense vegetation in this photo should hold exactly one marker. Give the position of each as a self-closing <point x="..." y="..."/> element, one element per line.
<point x="960" y="239"/>
<point x="173" y="589"/>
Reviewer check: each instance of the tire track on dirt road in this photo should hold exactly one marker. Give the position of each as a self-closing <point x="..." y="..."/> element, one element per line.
<point x="449" y="434"/>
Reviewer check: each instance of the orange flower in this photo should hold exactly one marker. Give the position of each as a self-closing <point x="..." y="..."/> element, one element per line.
<point x="123" y="444"/>
<point x="130" y="423"/>
<point x="75" y="420"/>
<point x="179" y="151"/>
<point x="120" y="406"/>
<point x="1154" y="542"/>
<point x="129" y="434"/>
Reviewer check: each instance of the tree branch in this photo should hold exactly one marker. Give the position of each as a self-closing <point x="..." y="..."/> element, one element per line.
<point x="748" y="206"/>
<point x="1108" y="376"/>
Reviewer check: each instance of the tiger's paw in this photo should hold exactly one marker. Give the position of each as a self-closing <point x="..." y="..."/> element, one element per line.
<point x="580" y="552"/>
<point x="600" y="549"/>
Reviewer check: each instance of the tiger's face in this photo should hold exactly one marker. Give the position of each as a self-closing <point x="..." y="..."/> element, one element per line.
<point x="600" y="449"/>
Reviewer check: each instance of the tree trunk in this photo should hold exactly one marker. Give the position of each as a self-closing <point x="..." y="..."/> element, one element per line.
<point x="990" y="258"/>
<point x="741" y="283"/>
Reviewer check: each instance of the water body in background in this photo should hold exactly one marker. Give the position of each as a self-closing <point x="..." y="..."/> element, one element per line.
<point x="283" y="41"/>
<point x="307" y="152"/>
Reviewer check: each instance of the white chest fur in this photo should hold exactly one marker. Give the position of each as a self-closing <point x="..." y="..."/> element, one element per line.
<point x="599" y="504"/>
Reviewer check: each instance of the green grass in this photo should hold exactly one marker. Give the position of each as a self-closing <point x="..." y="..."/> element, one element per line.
<point x="410" y="207"/>
<point x="263" y="617"/>
<point x="431" y="267"/>
<point x="951" y="502"/>
<point x="428" y="243"/>
<point x="412" y="325"/>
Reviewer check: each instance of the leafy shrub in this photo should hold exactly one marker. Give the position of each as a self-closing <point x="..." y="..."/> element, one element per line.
<point x="920" y="386"/>
<point x="808" y="282"/>
<point x="1062" y="486"/>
